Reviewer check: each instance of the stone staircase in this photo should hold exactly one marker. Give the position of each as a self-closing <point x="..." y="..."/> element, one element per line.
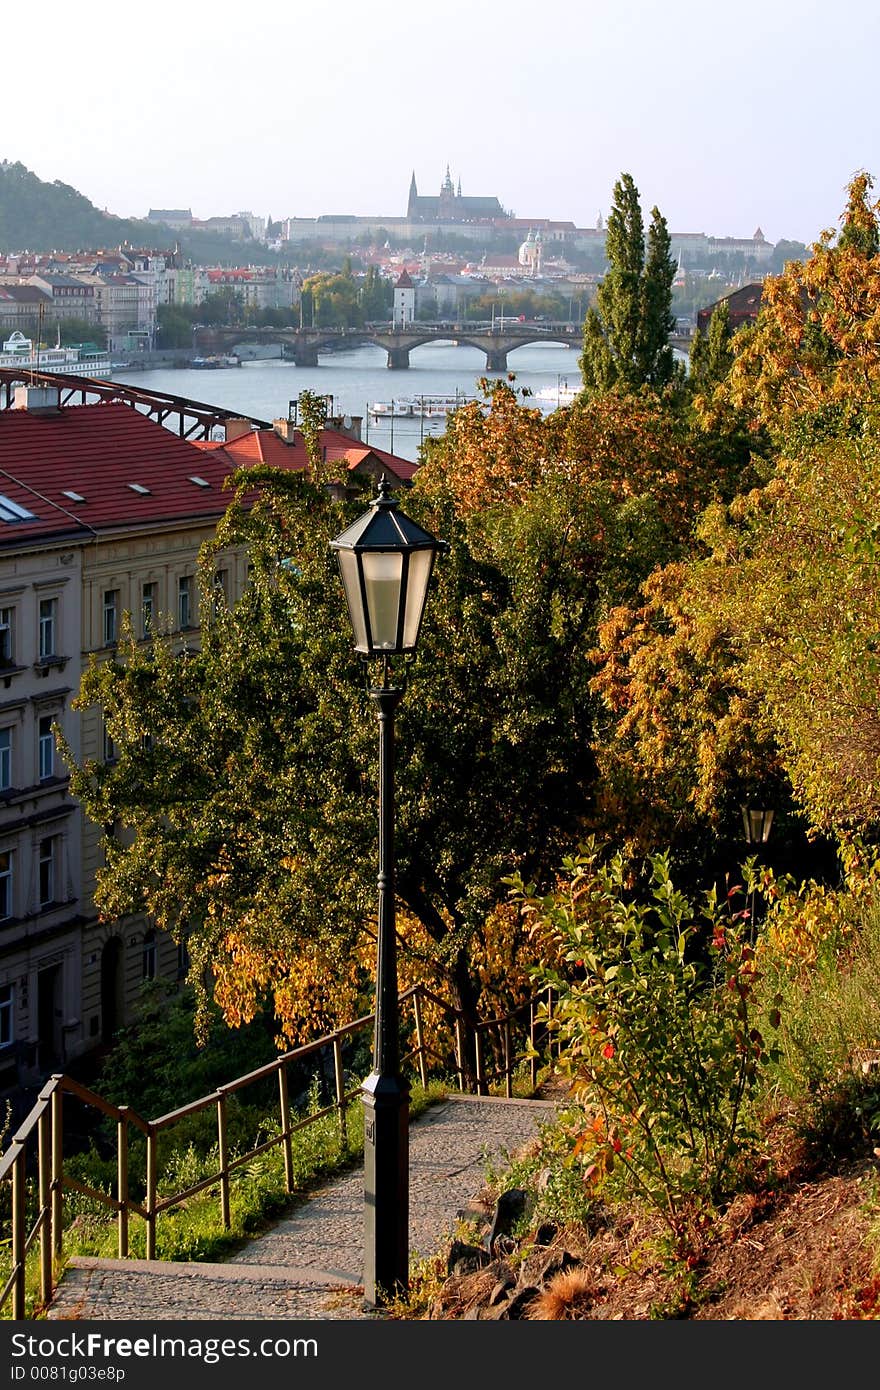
<point x="309" y="1264"/>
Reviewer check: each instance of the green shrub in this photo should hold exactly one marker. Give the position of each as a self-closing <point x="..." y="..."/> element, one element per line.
<point x="656" y="1022"/>
<point x="827" y="1066"/>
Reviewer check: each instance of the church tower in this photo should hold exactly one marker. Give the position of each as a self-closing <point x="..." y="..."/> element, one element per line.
<point x="413" y="201"/>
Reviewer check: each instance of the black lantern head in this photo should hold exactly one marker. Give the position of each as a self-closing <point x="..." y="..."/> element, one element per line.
<point x="386" y="562"/>
<point x="756" y="825"/>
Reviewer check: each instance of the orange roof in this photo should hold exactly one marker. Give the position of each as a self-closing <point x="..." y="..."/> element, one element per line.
<point x="265" y="446"/>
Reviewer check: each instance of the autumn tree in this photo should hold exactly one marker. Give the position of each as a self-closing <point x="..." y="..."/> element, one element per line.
<point x="249" y="813"/>
<point x="813" y="357"/>
<point x="626" y="334"/>
<point x="757" y="655"/>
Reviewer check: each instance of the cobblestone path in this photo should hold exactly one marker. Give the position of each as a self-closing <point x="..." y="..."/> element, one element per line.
<point x="309" y="1265"/>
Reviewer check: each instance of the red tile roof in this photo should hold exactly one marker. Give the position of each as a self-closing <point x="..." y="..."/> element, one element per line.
<point x="106" y="454"/>
<point x="265" y="446"/>
<point x="97" y="452"/>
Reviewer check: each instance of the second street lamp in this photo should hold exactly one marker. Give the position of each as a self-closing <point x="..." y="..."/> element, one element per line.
<point x="386" y="562"/>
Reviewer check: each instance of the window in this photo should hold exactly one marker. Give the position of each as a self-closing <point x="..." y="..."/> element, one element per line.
<point x="148" y="609"/>
<point x="5" y="759"/>
<point x="46" y="741"/>
<point x="184" y="601"/>
<point x="6" y="884"/>
<point x="48" y="625"/>
<point x="7" y="636"/>
<point x="109" y="746"/>
<point x="182" y="960"/>
<point x="7" y="1015"/>
<point x="48" y="852"/>
<point x="149" y="955"/>
<point x="111" y="616"/>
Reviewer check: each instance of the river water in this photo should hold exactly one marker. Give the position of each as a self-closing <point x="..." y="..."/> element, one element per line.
<point x="360" y="377"/>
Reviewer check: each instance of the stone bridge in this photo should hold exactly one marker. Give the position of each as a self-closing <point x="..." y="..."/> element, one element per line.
<point x="398" y="343"/>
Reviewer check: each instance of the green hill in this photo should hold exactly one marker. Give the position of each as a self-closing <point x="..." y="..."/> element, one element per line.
<point x="38" y="216"/>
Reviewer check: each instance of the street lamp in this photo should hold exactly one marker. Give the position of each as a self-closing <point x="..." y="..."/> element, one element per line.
<point x="756" y="824"/>
<point x="386" y="561"/>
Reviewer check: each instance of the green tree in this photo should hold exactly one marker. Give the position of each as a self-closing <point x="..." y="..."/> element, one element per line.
<point x="657" y="319"/>
<point x="222" y="307"/>
<point x="626" y="334"/>
<point x="711" y="355"/>
<point x="785" y="251"/>
<point x="175" y="322"/>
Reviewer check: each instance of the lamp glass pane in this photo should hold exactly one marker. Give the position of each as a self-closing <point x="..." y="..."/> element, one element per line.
<point x="348" y="568"/>
<point x="383" y="571"/>
<point x="416" y="594"/>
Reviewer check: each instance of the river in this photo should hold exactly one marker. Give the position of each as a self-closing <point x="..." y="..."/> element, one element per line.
<point x="358" y="378"/>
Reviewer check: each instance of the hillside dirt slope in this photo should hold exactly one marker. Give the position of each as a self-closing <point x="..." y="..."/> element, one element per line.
<point x="800" y="1247"/>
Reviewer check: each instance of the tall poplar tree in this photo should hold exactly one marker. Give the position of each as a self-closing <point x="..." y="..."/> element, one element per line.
<point x="626" y="335"/>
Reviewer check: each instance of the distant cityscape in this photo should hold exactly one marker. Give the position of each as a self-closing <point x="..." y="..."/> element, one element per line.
<point x="454" y="247"/>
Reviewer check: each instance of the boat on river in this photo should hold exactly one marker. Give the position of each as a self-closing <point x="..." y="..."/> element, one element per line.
<point x="223" y="359"/>
<point x="419" y="407"/>
<point x="79" y="359"/>
<point x="558" y="395"/>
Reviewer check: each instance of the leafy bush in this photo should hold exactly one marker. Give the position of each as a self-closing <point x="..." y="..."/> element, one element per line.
<point x="655" y="1016"/>
<point x="820" y="952"/>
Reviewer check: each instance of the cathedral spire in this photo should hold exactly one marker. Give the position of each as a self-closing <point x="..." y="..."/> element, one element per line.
<point x="447" y="182"/>
<point x="413" y="195"/>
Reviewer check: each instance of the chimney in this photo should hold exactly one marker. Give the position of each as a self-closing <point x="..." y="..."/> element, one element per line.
<point x="235" y="428"/>
<point x="349" y="425"/>
<point x="285" y="429"/>
<point x="39" y="400"/>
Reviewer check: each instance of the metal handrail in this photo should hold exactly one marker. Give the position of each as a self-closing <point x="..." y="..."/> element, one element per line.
<point x="46" y="1121"/>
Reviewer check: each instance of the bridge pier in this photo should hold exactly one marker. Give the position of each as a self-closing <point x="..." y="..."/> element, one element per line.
<point x="496" y="359"/>
<point x="398" y="358"/>
<point x="304" y="354"/>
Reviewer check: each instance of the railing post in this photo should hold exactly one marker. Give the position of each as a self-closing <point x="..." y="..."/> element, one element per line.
<point x="223" y="1148"/>
<point x="151" y="1193"/>
<point x="459" y="1051"/>
<point x="284" y="1107"/>
<point x="57" y="1167"/>
<point x="533" y="1033"/>
<point x="478" y="1053"/>
<point x="44" y="1160"/>
<point x="340" y="1090"/>
<point x="420" y="1039"/>
<point x="122" y="1181"/>
<point x="18" y="1236"/>
<point x="508" y="1061"/>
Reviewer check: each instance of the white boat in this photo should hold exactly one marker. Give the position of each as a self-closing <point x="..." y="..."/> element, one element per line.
<point x="80" y="359"/>
<point x="418" y="407"/>
<point x="401" y="409"/>
<point x="558" y="395"/>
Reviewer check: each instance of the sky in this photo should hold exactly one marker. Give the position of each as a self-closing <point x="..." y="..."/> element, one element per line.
<point x="728" y="116"/>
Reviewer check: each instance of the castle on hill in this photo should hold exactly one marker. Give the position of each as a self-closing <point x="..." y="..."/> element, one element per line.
<point x="450" y="205"/>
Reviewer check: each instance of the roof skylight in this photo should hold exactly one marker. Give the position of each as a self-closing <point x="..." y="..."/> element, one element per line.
<point x="139" y="487"/>
<point x="74" y="496"/>
<point x="199" y="482"/>
<point x="11" y="511"/>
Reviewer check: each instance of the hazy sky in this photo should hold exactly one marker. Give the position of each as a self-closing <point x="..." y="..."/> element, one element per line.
<point x="728" y="115"/>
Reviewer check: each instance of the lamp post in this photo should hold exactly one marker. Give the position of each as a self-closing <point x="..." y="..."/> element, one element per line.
<point x="756" y="824"/>
<point x="385" y="561"/>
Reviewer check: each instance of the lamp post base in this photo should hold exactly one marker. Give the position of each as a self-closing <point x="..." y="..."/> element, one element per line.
<point x="386" y="1188"/>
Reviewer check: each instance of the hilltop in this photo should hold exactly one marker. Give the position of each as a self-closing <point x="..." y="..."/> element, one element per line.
<point x="40" y="216"/>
